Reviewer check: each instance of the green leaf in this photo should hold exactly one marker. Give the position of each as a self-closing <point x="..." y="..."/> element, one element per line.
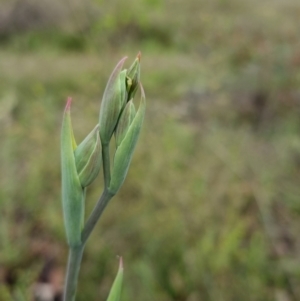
<point x="115" y="291"/>
<point x="72" y="192"/>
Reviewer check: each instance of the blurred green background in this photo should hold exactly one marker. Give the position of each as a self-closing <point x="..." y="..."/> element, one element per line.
<point x="210" y="209"/>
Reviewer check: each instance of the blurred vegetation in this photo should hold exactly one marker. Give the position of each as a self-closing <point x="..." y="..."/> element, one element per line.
<point x="210" y="208"/>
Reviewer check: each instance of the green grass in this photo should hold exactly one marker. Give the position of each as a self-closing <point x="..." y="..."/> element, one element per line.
<point x="210" y="207"/>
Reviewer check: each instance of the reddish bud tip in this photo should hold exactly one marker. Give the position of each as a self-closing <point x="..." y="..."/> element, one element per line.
<point x="120" y="64"/>
<point x="139" y="55"/>
<point x="68" y="105"/>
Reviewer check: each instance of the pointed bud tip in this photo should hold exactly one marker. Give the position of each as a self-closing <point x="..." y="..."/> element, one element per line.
<point x="139" y="55"/>
<point x="121" y="62"/>
<point x="68" y="105"/>
<point x="121" y="266"/>
<point x="142" y="90"/>
<point x="117" y="70"/>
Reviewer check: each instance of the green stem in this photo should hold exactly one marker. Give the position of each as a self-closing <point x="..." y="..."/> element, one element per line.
<point x="95" y="215"/>
<point x="75" y="256"/>
<point x="106" y="164"/>
<point x="75" y="253"/>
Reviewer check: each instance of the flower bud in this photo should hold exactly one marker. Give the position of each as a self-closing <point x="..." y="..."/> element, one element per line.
<point x="113" y="102"/>
<point x="88" y="157"/>
<point x="125" y="121"/>
<point x="133" y="77"/>
<point x="72" y="192"/>
<point x="126" y="146"/>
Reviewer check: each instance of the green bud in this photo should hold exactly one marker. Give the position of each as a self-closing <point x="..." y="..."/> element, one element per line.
<point x="88" y="157"/>
<point x="113" y="102"/>
<point x="115" y="291"/>
<point x="126" y="147"/>
<point x="125" y="121"/>
<point x="133" y="77"/>
<point x="72" y="192"/>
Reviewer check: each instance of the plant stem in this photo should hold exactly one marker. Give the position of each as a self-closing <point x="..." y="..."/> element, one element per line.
<point x="74" y="261"/>
<point x="75" y="253"/>
<point x="95" y="215"/>
<point x="106" y="164"/>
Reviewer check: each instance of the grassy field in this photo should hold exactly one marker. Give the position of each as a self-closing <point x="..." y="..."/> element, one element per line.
<point x="210" y="209"/>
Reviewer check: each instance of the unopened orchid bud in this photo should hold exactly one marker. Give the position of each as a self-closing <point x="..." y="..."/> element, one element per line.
<point x="126" y="146"/>
<point x="72" y="192"/>
<point x="133" y="77"/>
<point x="113" y="102"/>
<point x="88" y="157"/>
<point x="125" y="121"/>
